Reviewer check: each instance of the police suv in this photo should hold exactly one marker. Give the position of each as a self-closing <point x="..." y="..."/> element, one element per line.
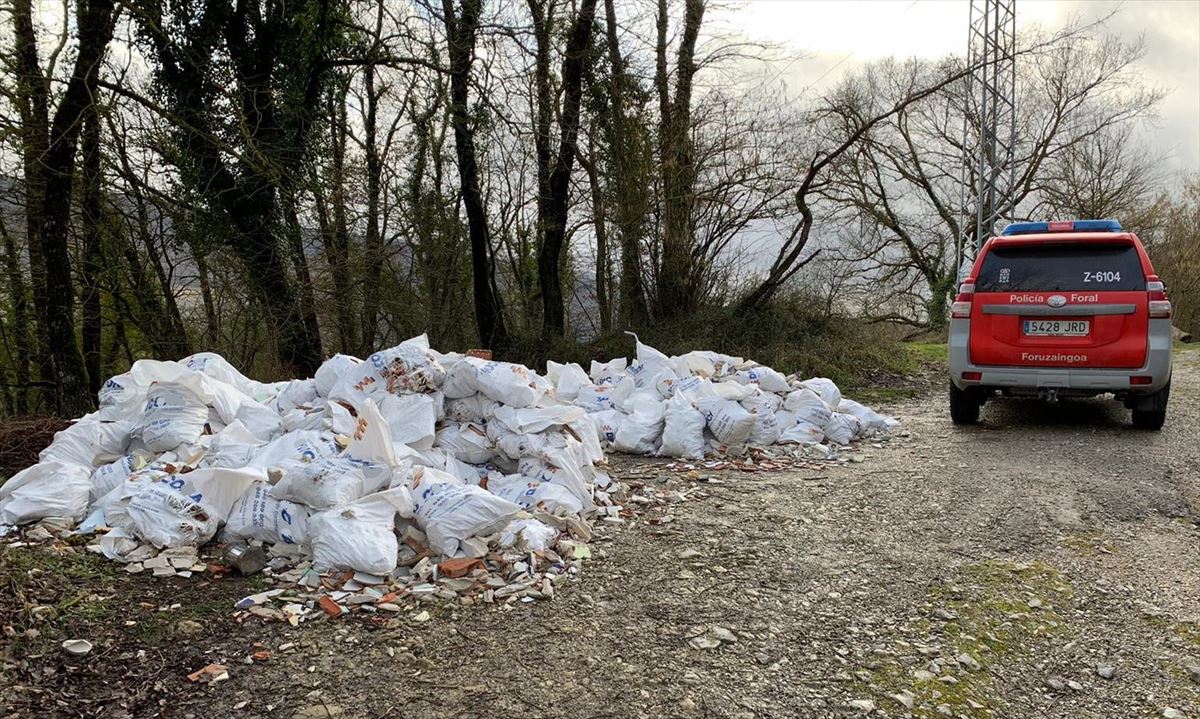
<point x="1058" y="309"/>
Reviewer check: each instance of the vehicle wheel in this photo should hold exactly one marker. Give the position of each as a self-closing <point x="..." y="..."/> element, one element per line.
<point x="964" y="406"/>
<point x="1151" y="412"/>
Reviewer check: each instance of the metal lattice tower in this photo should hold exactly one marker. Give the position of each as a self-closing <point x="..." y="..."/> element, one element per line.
<point x="989" y="125"/>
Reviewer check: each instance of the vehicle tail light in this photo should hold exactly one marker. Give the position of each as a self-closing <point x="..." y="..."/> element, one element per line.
<point x="1156" y="293"/>
<point x="972" y="376"/>
<point x="961" y="309"/>
<point x="1135" y="380"/>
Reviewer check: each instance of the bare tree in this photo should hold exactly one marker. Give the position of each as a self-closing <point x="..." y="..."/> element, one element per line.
<point x="49" y="146"/>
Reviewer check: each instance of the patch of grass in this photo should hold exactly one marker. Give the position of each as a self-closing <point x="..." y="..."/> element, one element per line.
<point x="928" y="352"/>
<point x="1088" y="543"/>
<point x="991" y="620"/>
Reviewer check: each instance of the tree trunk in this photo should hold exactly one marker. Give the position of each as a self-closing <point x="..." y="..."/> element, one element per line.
<point x="460" y="38"/>
<point x="91" y="212"/>
<point x="676" y="292"/>
<point x="211" y="327"/>
<point x="631" y="199"/>
<point x="22" y="336"/>
<point x="32" y="102"/>
<point x="295" y="239"/>
<point x="555" y="193"/>
<point x="373" y="242"/>
<point x="49" y="154"/>
<point x="603" y="264"/>
<point x="337" y="236"/>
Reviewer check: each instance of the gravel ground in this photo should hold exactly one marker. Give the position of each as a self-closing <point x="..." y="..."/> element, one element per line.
<point x="1043" y="564"/>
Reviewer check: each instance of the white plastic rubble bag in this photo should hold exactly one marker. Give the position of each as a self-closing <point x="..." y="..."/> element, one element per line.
<point x="341" y="420"/>
<point x="371" y="441"/>
<point x="608" y="423"/>
<point x="408" y="368"/>
<point x="608" y="372"/>
<point x="510" y="384"/>
<point x="121" y="397"/>
<point x="650" y="363"/>
<point x="262" y="421"/>
<point x="534" y="493"/>
<point x="567" y="379"/>
<point x="466" y="442"/>
<point x="797" y="432"/>
<point x="232" y="447"/>
<point x="766" y="378"/>
<point x="361" y="535"/>
<point x="411" y="418"/>
<point x="808" y="406"/>
<point x="117" y="390"/>
<point x="50" y="488"/>
<point x="175" y="414"/>
<point x="294" y="448"/>
<point x="185" y="510"/>
<point x="561" y="469"/>
<point x="528" y="535"/>
<point x="88" y="442"/>
<point x="828" y="391"/>
<point x="624" y="391"/>
<point x="641" y="430"/>
<point x="729" y="422"/>
<point x="766" y="428"/>
<point x="109" y="476"/>
<point x="298" y="419"/>
<point x="668" y="383"/>
<point x="705" y="363"/>
<point x="461" y="375"/>
<point x="514" y="446"/>
<point x="477" y="408"/>
<point x="870" y="418"/>
<point x="298" y="393"/>
<point x="842" y="428"/>
<point x="595" y="398"/>
<point x="772" y="400"/>
<point x="332" y="481"/>
<point x="441" y="460"/>
<point x="683" y="430"/>
<point x="330" y="370"/>
<point x="211" y="364"/>
<point x="449" y="512"/>
<point x="584" y="429"/>
<point x="257" y="514"/>
<point x="540" y="419"/>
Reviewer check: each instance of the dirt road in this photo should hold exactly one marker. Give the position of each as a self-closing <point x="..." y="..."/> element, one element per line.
<point x="1044" y="564"/>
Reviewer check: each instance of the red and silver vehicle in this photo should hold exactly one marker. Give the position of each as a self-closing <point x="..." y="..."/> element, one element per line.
<point x="1062" y="309"/>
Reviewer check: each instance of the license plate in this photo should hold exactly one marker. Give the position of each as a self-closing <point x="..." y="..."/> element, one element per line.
<point x="1056" y="328"/>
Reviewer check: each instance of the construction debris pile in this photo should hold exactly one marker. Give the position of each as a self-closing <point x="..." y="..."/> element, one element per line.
<point x="709" y="403"/>
<point x="411" y="476"/>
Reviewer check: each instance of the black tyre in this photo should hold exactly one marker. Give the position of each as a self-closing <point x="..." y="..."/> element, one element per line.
<point x="1150" y="412"/>
<point x="964" y="406"/>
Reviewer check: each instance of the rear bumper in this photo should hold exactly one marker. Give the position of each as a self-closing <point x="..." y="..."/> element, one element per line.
<point x="1068" y="380"/>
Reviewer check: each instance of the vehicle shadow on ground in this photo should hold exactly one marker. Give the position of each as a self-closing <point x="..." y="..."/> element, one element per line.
<point x="1097" y="413"/>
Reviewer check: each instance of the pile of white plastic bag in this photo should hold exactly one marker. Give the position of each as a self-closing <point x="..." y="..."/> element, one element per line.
<point x="705" y="402"/>
<point x="378" y="464"/>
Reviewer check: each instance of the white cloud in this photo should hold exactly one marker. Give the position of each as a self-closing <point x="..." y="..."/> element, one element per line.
<point x="836" y="35"/>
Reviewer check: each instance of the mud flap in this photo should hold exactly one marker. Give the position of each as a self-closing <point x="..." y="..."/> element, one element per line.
<point x="1155" y="402"/>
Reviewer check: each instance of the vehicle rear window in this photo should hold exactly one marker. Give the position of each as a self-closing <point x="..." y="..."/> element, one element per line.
<point x="1111" y="268"/>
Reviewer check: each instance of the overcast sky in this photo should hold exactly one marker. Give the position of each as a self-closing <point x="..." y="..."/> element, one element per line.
<point x="835" y="35"/>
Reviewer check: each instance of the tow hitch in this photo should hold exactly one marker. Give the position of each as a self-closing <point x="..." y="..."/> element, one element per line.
<point x="1050" y="394"/>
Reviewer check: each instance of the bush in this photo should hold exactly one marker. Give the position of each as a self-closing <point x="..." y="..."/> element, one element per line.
<point x="790" y="335"/>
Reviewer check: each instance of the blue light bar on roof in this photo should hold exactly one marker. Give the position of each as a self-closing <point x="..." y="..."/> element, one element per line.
<point x="1038" y="228"/>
